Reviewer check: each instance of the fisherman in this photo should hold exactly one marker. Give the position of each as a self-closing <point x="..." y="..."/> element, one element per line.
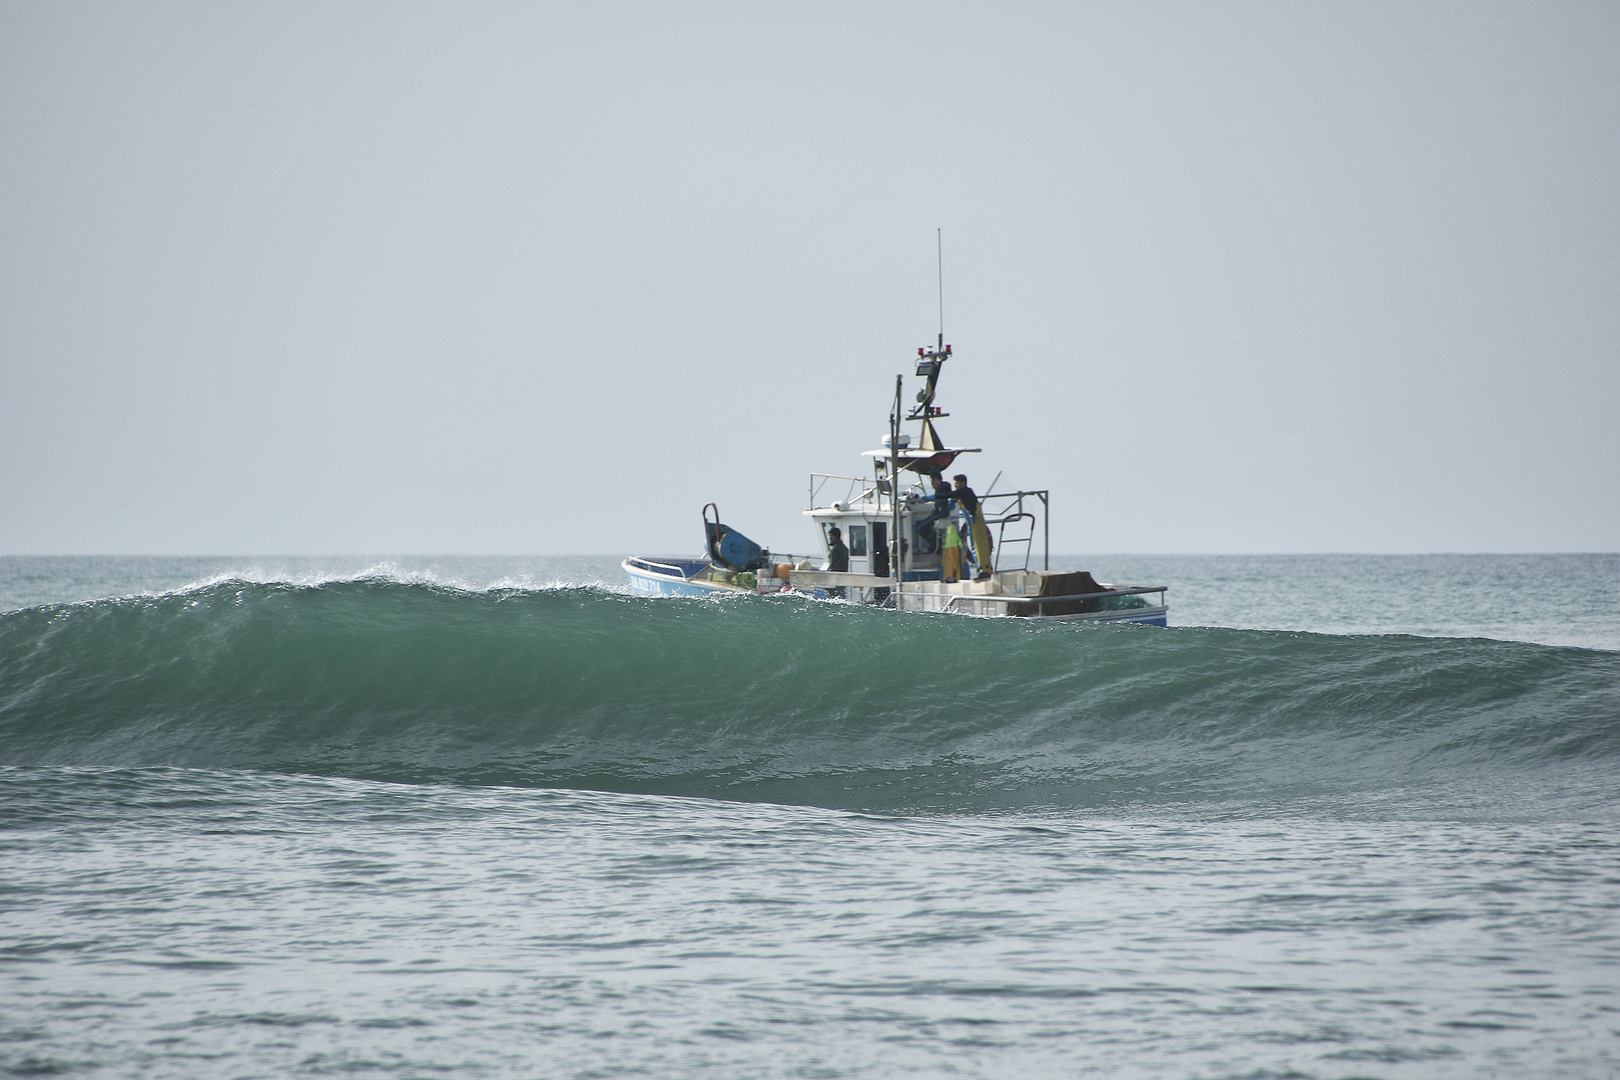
<point x="837" y="553"/>
<point x="978" y="531"/>
<point x="927" y="532"/>
<point x="837" y="559"/>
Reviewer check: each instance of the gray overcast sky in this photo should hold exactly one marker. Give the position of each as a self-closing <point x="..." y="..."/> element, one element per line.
<point x="542" y="279"/>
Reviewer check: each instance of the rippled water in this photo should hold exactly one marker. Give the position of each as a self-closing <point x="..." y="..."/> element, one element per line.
<point x="319" y="828"/>
<point x="216" y="924"/>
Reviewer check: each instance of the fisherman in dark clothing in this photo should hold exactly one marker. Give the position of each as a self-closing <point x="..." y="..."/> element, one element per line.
<point x="927" y="538"/>
<point x="837" y="553"/>
<point x="942" y="500"/>
<point x="837" y="559"/>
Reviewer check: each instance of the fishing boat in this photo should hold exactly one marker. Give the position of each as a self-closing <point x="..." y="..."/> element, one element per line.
<point x="899" y="538"/>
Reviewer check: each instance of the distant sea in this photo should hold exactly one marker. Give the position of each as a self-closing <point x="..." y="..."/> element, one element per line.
<point x="1347" y="817"/>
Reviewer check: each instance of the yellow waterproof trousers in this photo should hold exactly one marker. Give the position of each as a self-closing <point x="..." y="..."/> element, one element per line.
<point x="981" y="545"/>
<point x="951" y="555"/>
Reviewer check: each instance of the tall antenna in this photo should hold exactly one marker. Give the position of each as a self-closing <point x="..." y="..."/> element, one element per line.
<point x="939" y="252"/>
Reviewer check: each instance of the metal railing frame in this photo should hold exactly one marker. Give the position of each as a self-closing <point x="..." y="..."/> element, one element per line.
<point x="1012" y="503"/>
<point x="1013" y="508"/>
<point x="857" y="488"/>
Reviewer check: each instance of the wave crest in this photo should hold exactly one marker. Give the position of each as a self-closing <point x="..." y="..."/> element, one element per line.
<point x="380" y="678"/>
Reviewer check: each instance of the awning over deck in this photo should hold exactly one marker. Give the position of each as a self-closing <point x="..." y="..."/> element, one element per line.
<point x="917" y="459"/>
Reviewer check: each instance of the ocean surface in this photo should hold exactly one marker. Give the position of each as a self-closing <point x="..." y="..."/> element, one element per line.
<point x="1347" y="817"/>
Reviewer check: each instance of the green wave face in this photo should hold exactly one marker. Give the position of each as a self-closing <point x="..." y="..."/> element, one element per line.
<point x="781" y="700"/>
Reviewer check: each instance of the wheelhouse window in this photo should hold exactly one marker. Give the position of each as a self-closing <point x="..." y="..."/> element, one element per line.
<point x="857" y="541"/>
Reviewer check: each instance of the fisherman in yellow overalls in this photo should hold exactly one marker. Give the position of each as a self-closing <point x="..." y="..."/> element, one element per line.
<point x="979" y="531"/>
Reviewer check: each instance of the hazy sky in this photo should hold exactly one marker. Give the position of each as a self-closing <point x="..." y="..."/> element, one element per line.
<point x="534" y="278"/>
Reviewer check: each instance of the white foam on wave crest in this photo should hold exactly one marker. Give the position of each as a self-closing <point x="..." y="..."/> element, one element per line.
<point x="1560" y="600"/>
<point x="27" y="582"/>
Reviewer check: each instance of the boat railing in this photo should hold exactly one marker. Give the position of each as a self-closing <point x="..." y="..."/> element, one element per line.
<point x="1008" y="506"/>
<point x="1028" y="539"/>
<point x="999" y="508"/>
<point x="855" y="489"/>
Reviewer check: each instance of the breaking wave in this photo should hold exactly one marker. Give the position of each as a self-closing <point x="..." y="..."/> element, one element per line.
<point x="783" y="700"/>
